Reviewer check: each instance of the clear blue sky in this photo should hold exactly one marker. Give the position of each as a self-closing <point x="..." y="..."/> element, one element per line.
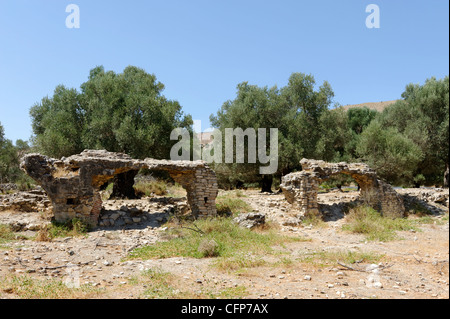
<point x="201" y="50"/>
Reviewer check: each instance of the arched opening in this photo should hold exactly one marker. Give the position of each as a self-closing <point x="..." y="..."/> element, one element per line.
<point x="336" y="194"/>
<point x="142" y="198"/>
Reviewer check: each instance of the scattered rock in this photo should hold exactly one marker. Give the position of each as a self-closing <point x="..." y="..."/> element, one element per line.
<point x="250" y="220"/>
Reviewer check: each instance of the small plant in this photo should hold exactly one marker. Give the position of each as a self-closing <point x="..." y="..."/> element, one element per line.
<point x="43" y="235"/>
<point x="208" y="248"/>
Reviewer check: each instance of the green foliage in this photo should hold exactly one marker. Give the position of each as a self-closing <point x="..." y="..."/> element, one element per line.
<point x="335" y="135"/>
<point x="295" y="110"/>
<point x="10" y="160"/>
<point x="393" y="156"/>
<point x="412" y="135"/>
<point x="123" y="112"/>
<point x="359" y="118"/>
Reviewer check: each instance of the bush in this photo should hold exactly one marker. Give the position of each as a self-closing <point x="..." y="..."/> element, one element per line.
<point x="208" y="248"/>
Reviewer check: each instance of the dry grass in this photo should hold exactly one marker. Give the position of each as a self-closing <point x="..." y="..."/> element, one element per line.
<point x="27" y="287"/>
<point x="72" y="228"/>
<point x="367" y="221"/>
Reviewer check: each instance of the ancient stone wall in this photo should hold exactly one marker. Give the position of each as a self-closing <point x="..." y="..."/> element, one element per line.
<point x="300" y="188"/>
<point x="72" y="184"/>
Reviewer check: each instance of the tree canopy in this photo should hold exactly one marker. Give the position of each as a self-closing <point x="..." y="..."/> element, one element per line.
<point x="421" y="121"/>
<point x="123" y="112"/>
<point x="407" y="143"/>
<point x="295" y="110"/>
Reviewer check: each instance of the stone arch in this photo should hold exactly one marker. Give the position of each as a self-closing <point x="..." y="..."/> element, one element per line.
<point x="301" y="188"/>
<point x="73" y="184"/>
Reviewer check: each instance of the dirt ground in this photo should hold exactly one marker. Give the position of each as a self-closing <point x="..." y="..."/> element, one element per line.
<point x="414" y="266"/>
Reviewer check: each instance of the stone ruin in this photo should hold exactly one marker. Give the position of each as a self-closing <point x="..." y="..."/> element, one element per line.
<point x="301" y="188"/>
<point x="73" y="184"/>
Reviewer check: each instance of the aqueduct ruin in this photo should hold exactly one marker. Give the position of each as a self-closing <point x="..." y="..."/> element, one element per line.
<point x="73" y="183"/>
<point x="301" y="188"/>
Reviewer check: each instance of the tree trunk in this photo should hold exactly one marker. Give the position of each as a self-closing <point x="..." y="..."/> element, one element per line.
<point x="266" y="184"/>
<point x="123" y="185"/>
<point x="446" y="177"/>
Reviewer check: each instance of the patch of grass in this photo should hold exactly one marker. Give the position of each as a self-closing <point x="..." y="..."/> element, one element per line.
<point x="72" y="228"/>
<point x="233" y="292"/>
<point x="230" y="240"/>
<point x="27" y="287"/>
<point x="331" y="258"/>
<point x="314" y="220"/>
<point x="159" y="284"/>
<point x="367" y="221"/>
<point x="238" y="262"/>
<point x="231" y="203"/>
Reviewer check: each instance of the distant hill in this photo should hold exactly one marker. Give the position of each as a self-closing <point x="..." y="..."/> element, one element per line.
<point x="378" y="106"/>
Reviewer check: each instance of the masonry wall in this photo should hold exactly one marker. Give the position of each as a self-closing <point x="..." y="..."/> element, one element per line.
<point x="301" y="188"/>
<point x="72" y="184"/>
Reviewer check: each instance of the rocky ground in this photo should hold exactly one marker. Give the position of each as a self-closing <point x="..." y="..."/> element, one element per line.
<point x="414" y="266"/>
